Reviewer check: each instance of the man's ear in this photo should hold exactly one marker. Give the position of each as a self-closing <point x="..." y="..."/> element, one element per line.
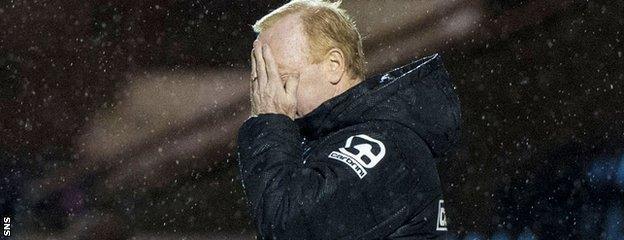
<point x="336" y="64"/>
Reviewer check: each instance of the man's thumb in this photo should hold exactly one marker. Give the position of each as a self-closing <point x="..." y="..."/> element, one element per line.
<point x="292" y="83"/>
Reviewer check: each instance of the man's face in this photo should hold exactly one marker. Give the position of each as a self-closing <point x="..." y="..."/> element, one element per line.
<point x="289" y="46"/>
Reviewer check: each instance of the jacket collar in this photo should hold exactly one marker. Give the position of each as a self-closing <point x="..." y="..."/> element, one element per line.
<point x="312" y="124"/>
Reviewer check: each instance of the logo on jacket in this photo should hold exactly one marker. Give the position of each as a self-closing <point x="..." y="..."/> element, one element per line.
<point x="360" y="152"/>
<point x="441" y="226"/>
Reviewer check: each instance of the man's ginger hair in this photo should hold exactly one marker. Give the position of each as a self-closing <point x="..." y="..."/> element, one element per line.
<point x="326" y="26"/>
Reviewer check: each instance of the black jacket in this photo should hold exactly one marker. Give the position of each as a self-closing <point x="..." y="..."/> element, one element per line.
<point x="360" y="166"/>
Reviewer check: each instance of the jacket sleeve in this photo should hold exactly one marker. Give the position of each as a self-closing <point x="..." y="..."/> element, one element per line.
<point x="358" y="183"/>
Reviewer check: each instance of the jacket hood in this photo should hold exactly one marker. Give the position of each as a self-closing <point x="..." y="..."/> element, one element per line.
<point x="419" y="96"/>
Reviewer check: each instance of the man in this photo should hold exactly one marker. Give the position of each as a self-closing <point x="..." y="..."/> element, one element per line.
<point x="329" y="154"/>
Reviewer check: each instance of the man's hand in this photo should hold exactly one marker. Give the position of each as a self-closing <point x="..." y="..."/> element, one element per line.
<point x="268" y="93"/>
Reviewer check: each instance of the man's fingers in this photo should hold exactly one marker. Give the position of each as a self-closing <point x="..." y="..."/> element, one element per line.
<point x="260" y="65"/>
<point x="254" y="96"/>
<point x="254" y="74"/>
<point x="271" y="67"/>
<point x="252" y="87"/>
<point x="292" y="83"/>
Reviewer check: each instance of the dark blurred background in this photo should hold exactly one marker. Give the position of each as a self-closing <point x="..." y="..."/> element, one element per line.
<point x="118" y="118"/>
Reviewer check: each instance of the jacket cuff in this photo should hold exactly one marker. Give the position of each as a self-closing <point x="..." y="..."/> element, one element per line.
<point x="263" y="124"/>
